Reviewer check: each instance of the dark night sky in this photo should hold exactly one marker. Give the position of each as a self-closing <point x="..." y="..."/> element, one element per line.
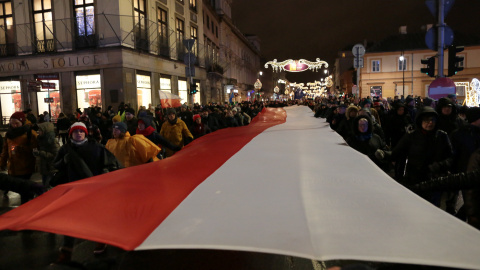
<point x="308" y="29"/>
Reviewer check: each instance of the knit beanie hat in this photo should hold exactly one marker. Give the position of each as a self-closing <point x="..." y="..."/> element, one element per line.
<point x="120" y="126"/>
<point x="130" y="110"/>
<point x="78" y="125"/>
<point x="116" y="118"/>
<point x="20" y="116"/>
<point x="171" y="111"/>
<point x="196" y="116"/>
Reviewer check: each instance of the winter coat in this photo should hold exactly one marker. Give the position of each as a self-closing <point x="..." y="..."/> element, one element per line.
<point x="447" y="123"/>
<point x="63" y="124"/>
<point x="133" y="150"/>
<point x="150" y="133"/>
<point x="396" y="126"/>
<point x="366" y="143"/>
<point x="465" y="141"/>
<point x="231" y="122"/>
<point x="187" y="117"/>
<point x="17" y="151"/>
<point x="47" y="148"/>
<point x="211" y="122"/>
<point x="198" y="130"/>
<point x="76" y="162"/>
<point x="175" y="133"/>
<point x="468" y="181"/>
<point x="427" y="152"/>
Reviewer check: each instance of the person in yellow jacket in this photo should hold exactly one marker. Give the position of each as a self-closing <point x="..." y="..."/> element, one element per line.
<point x="17" y="153"/>
<point x="131" y="150"/>
<point x="175" y="131"/>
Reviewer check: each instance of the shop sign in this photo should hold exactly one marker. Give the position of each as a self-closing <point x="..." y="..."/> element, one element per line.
<point x="47" y="77"/>
<point x="88" y="82"/>
<point x="8" y="87"/>
<point x="48" y="100"/>
<point x="143" y="81"/>
<point x="48" y="85"/>
<point x="165" y="84"/>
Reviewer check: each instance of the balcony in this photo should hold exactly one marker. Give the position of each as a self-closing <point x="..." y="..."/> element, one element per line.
<point x="43" y="46"/>
<point x="111" y="31"/>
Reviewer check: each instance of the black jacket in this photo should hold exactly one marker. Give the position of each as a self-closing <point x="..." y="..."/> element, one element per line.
<point x="79" y="162"/>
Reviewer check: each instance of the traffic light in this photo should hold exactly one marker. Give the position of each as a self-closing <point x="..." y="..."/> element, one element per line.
<point x="430" y="69"/>
<point x="193" y="88"/>
<point x="454" y="60"/>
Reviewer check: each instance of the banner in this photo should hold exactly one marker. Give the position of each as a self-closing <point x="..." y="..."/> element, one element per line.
<point x="169" y="100"/>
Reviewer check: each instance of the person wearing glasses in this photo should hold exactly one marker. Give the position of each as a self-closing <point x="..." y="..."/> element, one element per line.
<point x="427" y="151"/>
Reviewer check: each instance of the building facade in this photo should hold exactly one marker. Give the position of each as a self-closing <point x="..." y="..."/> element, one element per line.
<point x="233" y="60"/>
<point x="393" y="66"/>
<point x="60" y="55"/>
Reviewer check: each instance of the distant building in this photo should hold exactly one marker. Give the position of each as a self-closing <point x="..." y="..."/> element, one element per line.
<point x="386" y="75"/>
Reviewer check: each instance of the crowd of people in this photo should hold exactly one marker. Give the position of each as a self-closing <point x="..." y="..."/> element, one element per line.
<point x="431" y="147"/>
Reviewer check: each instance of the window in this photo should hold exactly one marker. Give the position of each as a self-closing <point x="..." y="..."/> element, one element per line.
<point x="180" y="33"/>
<point x="208" y="22"/>
<point x="84" y="23"/>
<point x="216" y="31"/>
<point x="162" y="20"/>
<point x="140" y="28"/>
<point x="193" y="5"/>
<point x="376" y="66"/>
<point x="7" y="46"/>
<point x="402" y="64"/>
<point x="213" y="29"/>
<point x="42" y="18"/>
<point x="193" y="35"/>
<point x="461" y="63"/>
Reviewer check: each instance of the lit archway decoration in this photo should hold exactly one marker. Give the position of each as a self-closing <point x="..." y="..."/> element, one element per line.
<point x="472" y="98"/>
<point x="296" y="65"/>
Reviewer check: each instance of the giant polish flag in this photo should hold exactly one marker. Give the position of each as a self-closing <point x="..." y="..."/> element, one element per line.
<point x="285" y="184"/>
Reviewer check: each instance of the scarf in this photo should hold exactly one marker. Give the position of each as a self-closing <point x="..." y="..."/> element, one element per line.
<point x="80" y="142"/>
<point x="13" y="133"/>
<point x="146" y="132"/>
<point x="173" y="122"/>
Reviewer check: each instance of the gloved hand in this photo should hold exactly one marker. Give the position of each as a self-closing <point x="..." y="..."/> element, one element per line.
<point x="380" y="154"/>
<point x="177" y="148"/>
<point x="35" y="152"/>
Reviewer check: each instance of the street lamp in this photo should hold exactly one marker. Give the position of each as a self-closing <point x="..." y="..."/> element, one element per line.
<point x="402" y="60"/>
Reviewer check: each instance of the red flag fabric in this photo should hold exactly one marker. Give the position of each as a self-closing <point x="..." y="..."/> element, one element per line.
<point x="169" y="100"/>
<point x="99" y="208"/>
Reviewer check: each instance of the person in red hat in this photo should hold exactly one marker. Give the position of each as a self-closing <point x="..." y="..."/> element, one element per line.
<point x="17" y="154"/>
<point x="78" y="159"/>
<point x="198" y="129"/>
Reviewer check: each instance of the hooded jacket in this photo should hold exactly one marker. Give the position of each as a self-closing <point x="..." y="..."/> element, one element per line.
<point x="175" y="132"/>
<point x="366" y="143"/>
<point x="17" y="150"/>
<point x="133" y="150"/>
<point x="447" y="123"/>
<point x="425" y="150"/>
<point x="47" y="148"/>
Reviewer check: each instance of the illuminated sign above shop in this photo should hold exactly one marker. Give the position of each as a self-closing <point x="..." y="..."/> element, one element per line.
<point x="143" y="81"/>
<point x="296" y="65"/>
<point x="88" y="82"/>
